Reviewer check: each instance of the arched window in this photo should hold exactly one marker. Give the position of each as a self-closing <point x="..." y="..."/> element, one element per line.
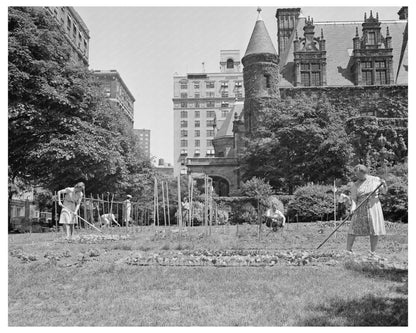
<point x="230" y="63"/>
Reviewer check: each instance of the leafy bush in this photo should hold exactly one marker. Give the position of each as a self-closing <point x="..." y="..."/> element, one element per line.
<point x="395" y="201"/>
<point x="311" y="203"/>
<point x="244" y="213"/>
<point x="257" y="188"/>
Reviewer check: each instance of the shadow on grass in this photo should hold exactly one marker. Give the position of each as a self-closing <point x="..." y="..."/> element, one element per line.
<point x="374" y="270"/>
<point x="366" y="311"/>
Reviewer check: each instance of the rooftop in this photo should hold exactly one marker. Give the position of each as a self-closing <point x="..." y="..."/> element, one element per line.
<point x="339" y="45"/>
<point x="260" y="41"/>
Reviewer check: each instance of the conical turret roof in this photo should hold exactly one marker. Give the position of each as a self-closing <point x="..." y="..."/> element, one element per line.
<point x="260" y="41"/>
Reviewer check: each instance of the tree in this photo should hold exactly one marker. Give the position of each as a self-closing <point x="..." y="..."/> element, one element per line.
<point x="61" y="128"/>
<point x="302" y="140"/>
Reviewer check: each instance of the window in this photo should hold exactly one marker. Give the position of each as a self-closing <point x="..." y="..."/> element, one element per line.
<point x="381" y="77"/>
<point x="267" y="77"/>
<point x="224" y="84"/>
<point x="224" y="113"/>
<point x="209" y="143"/>
<point x="196" y="95"/>
<point x="210" y="104"/>
<point x="184" y="104"/>
<point x="197" y="133"/>
<point x="184" y="86"/>
<point x="197" y="143"/>
<point x="184" y="95"/>
<point x="184" y="123"/>
<point x="380" y="64"/>
<point x="210" y="152"/>
<point x="367" y="64"/>
<point x="210" y="94"/>
<point x="367" y="78"/>
<point x="371" y="38"/>
<point x="210" y="132"/>
<point x="238" y="84"/>
<point x="315" y="67"/>
<point x="210" y="114"/>
<point x="197" y="104"/>
<point x="224" y="104"/>
<point x="196" y="85"/>
<point x="230" y="63"/>
<point x="224" y="94"/>
<point x="197" y="152"/>
<point x="305" y="79"/>
<point x="210" y="84"/>
<point x="74" y="31"/>
<point x="238" y="94"/>
<point x="184" y="143"/>
<point x="316" y="79"/>
<point x="304" y="66"/>
<point x="197" y="114"/>
<point x="197" y="123"/>
<point x="210" y="123"/>
<point x="184" y="133"/>
<point x="184" y="114"/>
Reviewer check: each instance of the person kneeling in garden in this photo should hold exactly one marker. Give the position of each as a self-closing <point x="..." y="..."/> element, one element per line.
<point x="70" y="207"/>
<point x="274" y="217"/>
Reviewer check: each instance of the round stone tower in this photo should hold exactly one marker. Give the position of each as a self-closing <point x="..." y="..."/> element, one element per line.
<point x="261" y="75"/>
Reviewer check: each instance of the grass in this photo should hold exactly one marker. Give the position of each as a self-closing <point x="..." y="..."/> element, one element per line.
<point x="78" y="289"/>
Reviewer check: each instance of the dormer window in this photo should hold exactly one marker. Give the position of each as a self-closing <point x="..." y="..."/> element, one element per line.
<point x="230" y="63"/>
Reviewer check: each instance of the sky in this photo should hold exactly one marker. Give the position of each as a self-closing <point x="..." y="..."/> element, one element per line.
<point x="147" y="45"/>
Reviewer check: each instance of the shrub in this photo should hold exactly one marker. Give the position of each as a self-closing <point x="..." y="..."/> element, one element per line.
<point x="257" y="188"/>
<point x="311" y="203"/>
<point x="244" y="213"/>
<point x="394" y="202"/>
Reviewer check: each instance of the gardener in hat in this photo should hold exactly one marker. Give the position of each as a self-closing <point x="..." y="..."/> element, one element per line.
<point x="70" y="207"/>
<point x="127" y="210"/>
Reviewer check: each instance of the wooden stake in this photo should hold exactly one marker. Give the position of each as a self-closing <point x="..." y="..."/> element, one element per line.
<point x="164" y="205"/>
<point x="191" y="203"/>
<point x="167" y="197"/>
<point x="179" y="204"/>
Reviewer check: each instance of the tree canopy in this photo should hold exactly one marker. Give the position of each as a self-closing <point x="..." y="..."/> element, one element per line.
<point x="61" y="128"/>
<point x="301" y="140"/>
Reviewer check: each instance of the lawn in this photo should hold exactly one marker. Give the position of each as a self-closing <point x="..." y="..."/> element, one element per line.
<point x="241" y="281"/>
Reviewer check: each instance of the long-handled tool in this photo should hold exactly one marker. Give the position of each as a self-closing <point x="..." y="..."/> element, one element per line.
<point x="350" y="215"/>
<point x="83" y="219"/>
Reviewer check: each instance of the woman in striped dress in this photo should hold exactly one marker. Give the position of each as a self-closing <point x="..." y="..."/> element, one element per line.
<point x="70" y="207"/>
<point x="368" y="220"/>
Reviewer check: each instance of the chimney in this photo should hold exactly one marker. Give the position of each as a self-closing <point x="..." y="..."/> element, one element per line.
<point x="286" y="23"/>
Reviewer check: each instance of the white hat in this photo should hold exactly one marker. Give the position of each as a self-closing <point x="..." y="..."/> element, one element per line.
<point x="129" y="196"/>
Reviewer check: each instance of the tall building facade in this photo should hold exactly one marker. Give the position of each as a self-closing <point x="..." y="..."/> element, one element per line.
<point x="201" y="103"/>
<point x="144" y="140"/>
<point x="75" y="31"/>
<point x="116" y="90"/>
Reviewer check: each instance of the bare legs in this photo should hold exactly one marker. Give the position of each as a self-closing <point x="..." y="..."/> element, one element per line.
<point x="69" y="230"/>
<point x="351" y="239"/>
<point x="350" y="242"/>
<point x="373" y="242"/>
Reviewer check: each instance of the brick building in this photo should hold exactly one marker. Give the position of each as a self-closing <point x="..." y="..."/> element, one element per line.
<point x="144" y="140"/>
<point x="350" y="67"/>
<point x="201" y="103"/>
<point x="75" y="31"/>
<point x="117" y="92"/>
